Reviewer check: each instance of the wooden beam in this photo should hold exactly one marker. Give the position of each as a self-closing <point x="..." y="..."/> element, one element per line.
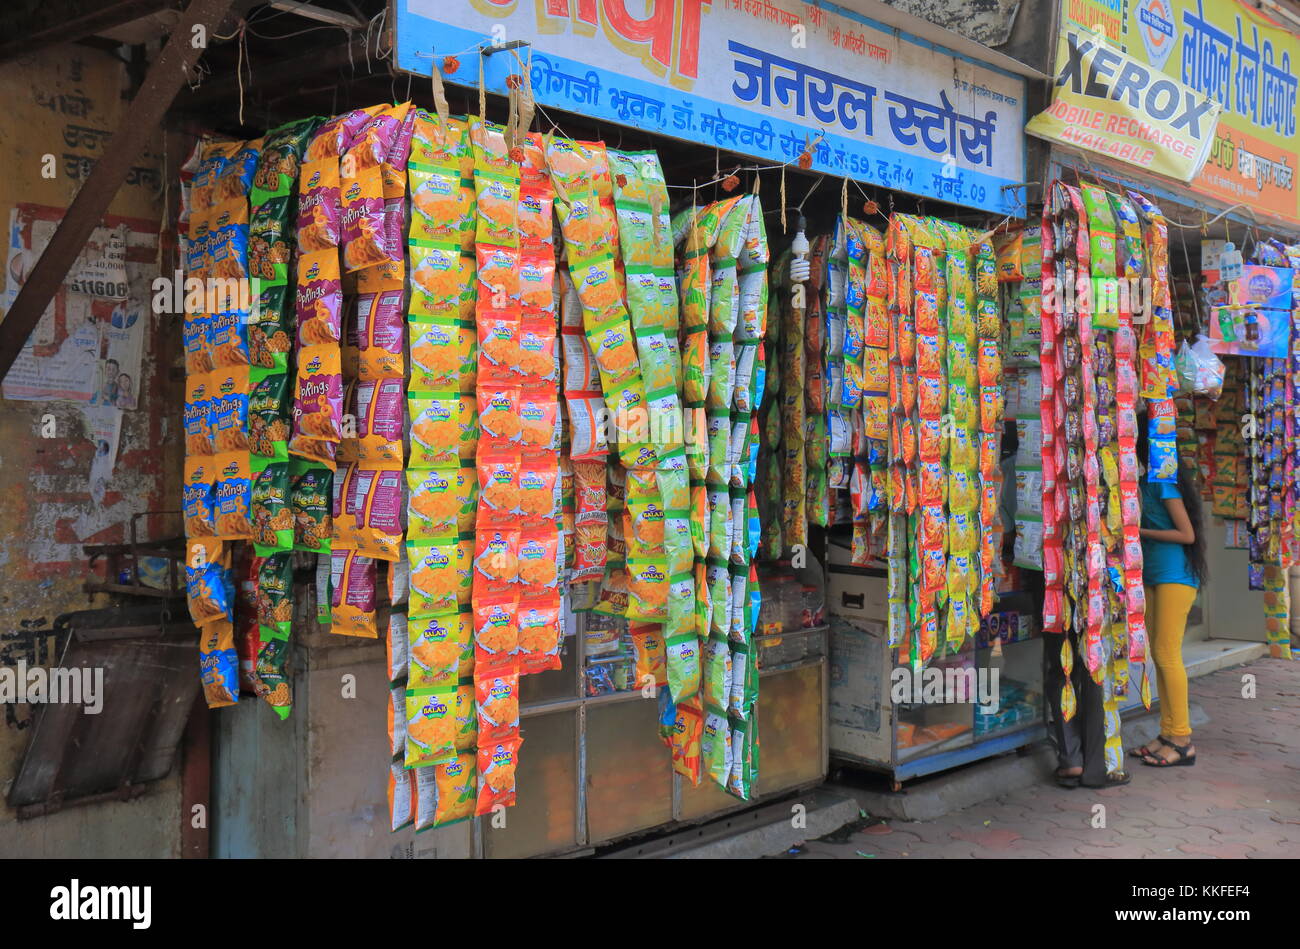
<point x="218" y="92"/>
<point x="26" y="28"/>
<point x="143" y="118"/>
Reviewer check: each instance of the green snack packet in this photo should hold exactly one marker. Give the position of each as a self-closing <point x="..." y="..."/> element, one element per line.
<point x="274" y="596"/>
<point x="273" y="682"/>
<point x="683" y="666"/>
<point x="270" y="239"/>
<point x="272" y="327"/>
<point x="311" y="499"/>
<point x="271" y="511"/>
<point x="717" y="671"/>
<point x="268" y="414"/>
<point x="719" y="584"/>
<point x="740" y="781"/>
<point x="280" y="160"/>
<point x="715" y="746"/>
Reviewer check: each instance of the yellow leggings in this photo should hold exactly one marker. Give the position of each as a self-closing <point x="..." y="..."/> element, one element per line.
<point x="1167" y="608"/>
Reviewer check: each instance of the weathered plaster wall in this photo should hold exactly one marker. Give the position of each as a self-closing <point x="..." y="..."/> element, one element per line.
<point x="53" y="103"/>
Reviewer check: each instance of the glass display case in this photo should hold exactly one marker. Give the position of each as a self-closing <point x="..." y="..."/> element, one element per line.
<point x="982" y="699"/>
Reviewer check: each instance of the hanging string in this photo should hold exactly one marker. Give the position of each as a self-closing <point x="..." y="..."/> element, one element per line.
<point x="1196" y="306"/>
<point x="783" y="227"/>
<point x="239" y="69"/>
<point x="482" y="92"/>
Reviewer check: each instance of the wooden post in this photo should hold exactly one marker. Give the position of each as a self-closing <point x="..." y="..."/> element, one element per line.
<point x="143" y="118"/>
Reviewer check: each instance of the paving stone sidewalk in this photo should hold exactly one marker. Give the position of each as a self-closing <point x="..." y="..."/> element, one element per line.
<point x="1241" y="799"/>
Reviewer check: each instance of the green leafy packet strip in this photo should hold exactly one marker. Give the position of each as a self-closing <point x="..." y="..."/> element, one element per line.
<point x="275" y="684"/>
<point x="715" y="745"/>
<point x="311" y="498"/>
<point x="272" y="513"/>
<point x="268" y="414"/>
<point x="272" y="327"/>
<point x="280" y="160"/>
<point x="683" y="666"/>
<point x="274" y="596"/>
<point x="740" y="779"/>
<point x="324" y="578"/>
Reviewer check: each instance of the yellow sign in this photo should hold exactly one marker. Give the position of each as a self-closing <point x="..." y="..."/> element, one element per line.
<point x="1111" y="104"/>
<point x="1240" y="58"/>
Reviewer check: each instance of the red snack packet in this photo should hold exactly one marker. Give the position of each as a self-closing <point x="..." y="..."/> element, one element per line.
<point x="497" y="762"/>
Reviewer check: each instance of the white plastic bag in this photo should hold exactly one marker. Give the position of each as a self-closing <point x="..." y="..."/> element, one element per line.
<point x="1199" y="369"/>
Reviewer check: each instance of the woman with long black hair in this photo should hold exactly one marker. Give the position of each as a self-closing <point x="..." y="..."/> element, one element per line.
<point x="1173" y="569"/>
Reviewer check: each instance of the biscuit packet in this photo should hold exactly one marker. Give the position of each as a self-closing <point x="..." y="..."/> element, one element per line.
<point x="443" y="280"/>
<point x="401" y="795"/>
<point x="379" y="506"/>
<point x="197" y="497"/>
<point x="218" y="663"/>
<point x="273" y="518"/>
<point x="381" y="336"/>
<point x="320" y="205"/>
<point x="441" y="144"/>
<point x="354" y="582"/>
<point x="454" y="788"/>
<point x="496" y="695"/>
<point x="435" y="355"/>
<point x="397" y="646"/>
<point x="540" y="558"/>
<point x="436" y="645"/>
<point x="496" y="559"/>
<point x="430" y="726"/>
<point x="435" y="499"/>
<point x="435" y="429"/>
<point x="540" y="632"/>
<point x="442" y="205"/>
<point x="274" y="595"/>
<point x="466" y="711"/>
<point x="318" y="405"/>
<point x="497" y="762"/>
<point x="232" y="496"/>
<point x="496" y="631"/>
<point x="434" y="576"/>
<point x="207" y="587"/>
<point x="268" y="414"/>
<point x="310" y="502"/>
<point x="540" y="487"/>
<point x="227" y="409"/>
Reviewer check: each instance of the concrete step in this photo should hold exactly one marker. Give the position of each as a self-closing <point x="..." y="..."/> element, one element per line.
<point x="765" y="831"/>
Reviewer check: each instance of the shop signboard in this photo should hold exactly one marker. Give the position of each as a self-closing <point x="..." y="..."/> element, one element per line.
<point x="1250" y="316"/>
<point x="1234" y="54"/>
<point x="1114" y="105"/>
<point x="763" y="78"/>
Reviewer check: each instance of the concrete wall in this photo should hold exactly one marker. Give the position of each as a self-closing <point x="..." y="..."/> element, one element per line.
<point x="316" y="784"/>
<point x="51" y="99"/>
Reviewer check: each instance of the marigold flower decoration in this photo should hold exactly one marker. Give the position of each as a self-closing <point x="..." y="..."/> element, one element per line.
<point x="449" y="65"/>
<point x="730" y="183"/>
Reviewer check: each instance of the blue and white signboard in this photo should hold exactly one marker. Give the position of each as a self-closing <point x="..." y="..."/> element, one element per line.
<point x="756" y="77"/>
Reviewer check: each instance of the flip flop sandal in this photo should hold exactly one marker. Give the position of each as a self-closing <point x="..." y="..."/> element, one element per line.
<point x="1141" y="750"/>
<point x="1113" y="780"/>
<point x="1184" y="760"/>
<point x="1070" y="781"/>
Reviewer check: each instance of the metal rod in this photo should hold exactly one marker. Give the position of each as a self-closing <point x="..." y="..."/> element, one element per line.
<point x="142" y="120"/>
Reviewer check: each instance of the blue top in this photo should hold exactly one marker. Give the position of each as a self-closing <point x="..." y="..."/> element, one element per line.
<point x="1162" y="561"/>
